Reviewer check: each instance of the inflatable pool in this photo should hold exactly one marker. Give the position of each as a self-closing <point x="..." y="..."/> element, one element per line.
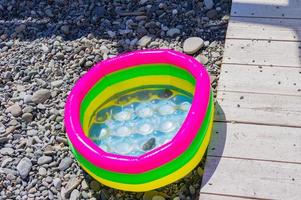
<point x="141" y="120"/>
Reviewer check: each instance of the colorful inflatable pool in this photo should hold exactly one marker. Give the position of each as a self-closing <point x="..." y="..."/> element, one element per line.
<point x="141" y="120"/>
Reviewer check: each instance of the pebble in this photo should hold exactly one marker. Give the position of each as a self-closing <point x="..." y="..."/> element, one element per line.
<point x="57" y="83"/>
<point x="192" y="45"/>
<point x="71" y="185"/>
<point x="211" y="14"/>
<point x="74" y="195"/>
<point x="6" y="151"/>
<point x="202" y="59"/>
<point x="144" y="41"/>
<point x="65" y="163"/>
<point x="24" y="167"/>
<point x="40" y="96"/>
<point x="44" y="160"/>
<point x="57" y="183"/>
<point x="42" y="171"/>
<point x="150" y="144"/>
<point x="20" y="28"/>
<point x="65" y="29"/>
<point x="94" y="185"/>
<point x="173" y="32"/>
<point x="27" y="117"/>
<point x="158" y="198"/>
<point x="15" y="110"/>
<point x="88" y="63"/>
<point x="209" y="4"/>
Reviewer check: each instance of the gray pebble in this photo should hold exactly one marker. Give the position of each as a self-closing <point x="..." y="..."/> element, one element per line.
<point x="41" y="96"/>
<point x="202" y="59"/>
<point x="150" y="144"/>
<point x="65" y="29"/>
<point x="15" y="110"/>
<point x="24" y="167"/>
<point x="6" y="151"/>
<point x="20" y="28"/>
<point x="144" y="41"/>
<point x="94" y="185"/>
<point x="74" y="195"/>
<point x="193" y="44"/>
<point x="27" y="117"/>
<point x="65" y="163"/>
<point x="173" y="32"/>
<point x="57" y="83"/>
<point x="44" y="160"/>
<point x="57" y="183"/>
<point x="208" y="4"/>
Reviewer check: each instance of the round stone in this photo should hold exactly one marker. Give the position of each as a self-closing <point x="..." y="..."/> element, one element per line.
<point x="192" y="45"/>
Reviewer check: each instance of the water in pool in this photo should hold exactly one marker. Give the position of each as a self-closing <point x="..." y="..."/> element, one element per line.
<point x="139" y="121"/>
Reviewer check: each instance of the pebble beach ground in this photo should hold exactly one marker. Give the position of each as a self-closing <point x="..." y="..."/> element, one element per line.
<point x="46" y="45"/>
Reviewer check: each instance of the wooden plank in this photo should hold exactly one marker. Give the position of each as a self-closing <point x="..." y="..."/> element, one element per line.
<point x="204" y="196"/>
<point x="256" y="142"/>
<point x="262" y="52"/>
<point x="250" y="178"/>
<point x="266" y="8"/>
<point x="264" y="28"/>
<point x="272" y="80"/>
<point x="259" y="108"/>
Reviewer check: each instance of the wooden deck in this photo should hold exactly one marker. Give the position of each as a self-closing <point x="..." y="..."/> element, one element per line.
<point x="255" y="150"/>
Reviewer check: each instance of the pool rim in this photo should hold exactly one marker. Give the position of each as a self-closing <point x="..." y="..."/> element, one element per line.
<point x="162" y="154"/>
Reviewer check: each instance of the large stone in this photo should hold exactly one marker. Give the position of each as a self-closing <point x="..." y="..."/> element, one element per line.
<point x="41" y="96"/>
<point x="24" y="167"/>
<point x="144" y="41"/>
<point x="15" y="110"/>
<point x="193" y="44"/>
